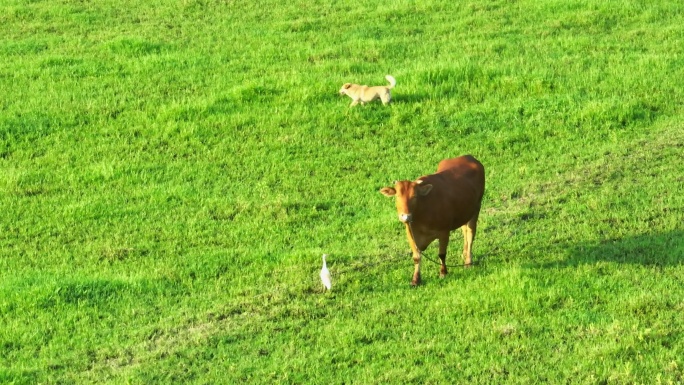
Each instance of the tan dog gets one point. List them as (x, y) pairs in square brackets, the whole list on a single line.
[(366, 94)]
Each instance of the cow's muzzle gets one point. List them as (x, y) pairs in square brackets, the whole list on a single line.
[(406, 218)]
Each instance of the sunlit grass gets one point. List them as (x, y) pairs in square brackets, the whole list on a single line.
[(172, 172)]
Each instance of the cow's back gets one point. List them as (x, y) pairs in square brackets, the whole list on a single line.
[(464, 170), (457, 193)]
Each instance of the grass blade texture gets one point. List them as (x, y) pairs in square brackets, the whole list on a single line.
[(172, 171)]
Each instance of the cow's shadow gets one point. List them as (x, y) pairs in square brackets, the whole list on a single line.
[(392, 271), (655, 250)]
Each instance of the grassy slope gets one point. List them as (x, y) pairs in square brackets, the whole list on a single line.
[(171, 174)]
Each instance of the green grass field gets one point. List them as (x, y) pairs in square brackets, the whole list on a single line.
[(171, 172)]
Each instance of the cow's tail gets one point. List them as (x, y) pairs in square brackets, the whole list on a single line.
[(391, 81)]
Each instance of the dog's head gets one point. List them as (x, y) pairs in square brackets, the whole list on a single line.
[(344, 88)]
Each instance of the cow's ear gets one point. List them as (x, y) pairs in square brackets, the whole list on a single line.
[(388, 191), (424, 190), (346, 85)]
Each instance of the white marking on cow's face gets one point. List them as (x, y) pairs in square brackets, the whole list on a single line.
[(406, 218), (405, 200)]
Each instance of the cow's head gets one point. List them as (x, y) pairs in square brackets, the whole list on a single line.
[(407, 194)]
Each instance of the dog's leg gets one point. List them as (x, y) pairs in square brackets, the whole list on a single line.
[(387, 99), (353, 103)]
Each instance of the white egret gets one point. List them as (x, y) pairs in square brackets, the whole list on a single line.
[(325, 274)]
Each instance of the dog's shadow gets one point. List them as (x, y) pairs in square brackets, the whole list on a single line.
[(397, 98), (411, 98)]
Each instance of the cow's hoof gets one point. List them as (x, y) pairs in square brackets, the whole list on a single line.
[(442, 275), (415, 282)]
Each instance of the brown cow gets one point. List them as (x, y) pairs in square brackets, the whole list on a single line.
[(436, 204)]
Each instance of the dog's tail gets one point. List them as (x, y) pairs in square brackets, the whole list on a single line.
[(391, 81)]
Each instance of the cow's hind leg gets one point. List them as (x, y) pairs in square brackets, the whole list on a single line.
[(469, 230), (443, 243)]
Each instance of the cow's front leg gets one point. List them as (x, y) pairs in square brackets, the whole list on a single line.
[(416, 270), (443, 243), (416, 257)]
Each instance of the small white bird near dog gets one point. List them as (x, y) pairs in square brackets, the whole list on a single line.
[(325, 274)]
